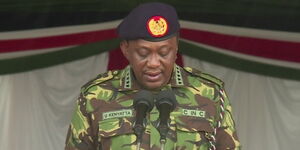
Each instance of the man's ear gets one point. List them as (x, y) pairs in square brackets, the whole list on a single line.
[(124, 48), (176, 54)]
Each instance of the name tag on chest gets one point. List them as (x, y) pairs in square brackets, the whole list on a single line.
[(193, 113), (117, 114)]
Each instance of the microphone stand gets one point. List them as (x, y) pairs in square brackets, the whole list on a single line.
[(163, 125), (140, 123)]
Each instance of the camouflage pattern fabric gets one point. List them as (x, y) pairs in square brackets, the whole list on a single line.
[(104, 114)]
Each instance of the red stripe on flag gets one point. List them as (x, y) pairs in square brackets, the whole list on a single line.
[(118, 61), (56, 41), (274, 49)]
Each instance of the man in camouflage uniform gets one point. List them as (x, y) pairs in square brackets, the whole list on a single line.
[(105, 115)]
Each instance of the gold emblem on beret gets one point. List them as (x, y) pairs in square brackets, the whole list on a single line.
[(157, 26)]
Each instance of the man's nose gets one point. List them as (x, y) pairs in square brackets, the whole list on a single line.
[(153, 61)]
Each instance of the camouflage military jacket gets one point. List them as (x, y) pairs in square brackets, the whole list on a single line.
[(104, 115)]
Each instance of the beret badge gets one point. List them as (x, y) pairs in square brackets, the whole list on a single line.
[(157, 26)]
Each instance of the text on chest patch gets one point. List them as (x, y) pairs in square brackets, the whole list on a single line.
[(117, 114), (193, 113)]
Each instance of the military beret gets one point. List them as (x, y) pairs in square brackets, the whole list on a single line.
[(152, 21)]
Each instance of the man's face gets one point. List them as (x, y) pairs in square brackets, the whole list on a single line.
[(152, 62)]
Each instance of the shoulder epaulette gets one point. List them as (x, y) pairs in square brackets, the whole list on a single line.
[(205, 76), (212, 79), (99, 79)]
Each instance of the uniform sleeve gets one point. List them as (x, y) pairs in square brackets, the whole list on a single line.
[(226, 135), (80, 134)]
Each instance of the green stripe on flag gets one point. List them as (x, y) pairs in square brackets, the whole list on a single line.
[(28, 63)]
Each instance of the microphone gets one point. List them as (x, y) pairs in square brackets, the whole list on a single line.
[(165, 103), (143, 103)]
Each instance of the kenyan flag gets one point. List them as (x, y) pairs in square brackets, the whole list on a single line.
[(265, 41)]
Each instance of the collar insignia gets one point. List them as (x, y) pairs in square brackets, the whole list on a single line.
[(178, 76), (157, 26), (127, 84)]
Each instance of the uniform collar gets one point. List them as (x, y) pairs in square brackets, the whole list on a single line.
[(129, 83)]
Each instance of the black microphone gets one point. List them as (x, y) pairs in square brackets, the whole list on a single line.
[(165, 103), (143, 103)]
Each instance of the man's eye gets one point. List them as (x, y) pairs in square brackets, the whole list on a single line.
[(143, 52), (164, 52)]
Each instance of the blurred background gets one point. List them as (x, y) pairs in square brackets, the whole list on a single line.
[(50, 48)]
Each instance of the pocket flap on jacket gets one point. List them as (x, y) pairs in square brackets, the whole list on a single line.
[(193, 124), (115, 126)]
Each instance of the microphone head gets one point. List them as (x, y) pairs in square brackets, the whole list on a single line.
[(166, 97), (144, 97)]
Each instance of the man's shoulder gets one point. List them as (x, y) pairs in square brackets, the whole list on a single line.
[(100, 80), (205, 77)]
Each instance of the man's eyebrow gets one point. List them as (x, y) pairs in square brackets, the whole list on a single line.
[(163, 46), (148, 48), (142, 47)]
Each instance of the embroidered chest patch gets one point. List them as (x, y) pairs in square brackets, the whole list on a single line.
[(193, 113), (117, 114)]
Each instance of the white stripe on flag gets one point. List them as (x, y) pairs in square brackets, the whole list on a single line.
[(31, 52)]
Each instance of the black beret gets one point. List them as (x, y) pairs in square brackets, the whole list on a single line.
[(150, 21)]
